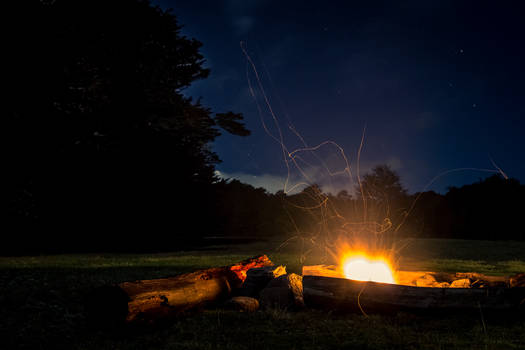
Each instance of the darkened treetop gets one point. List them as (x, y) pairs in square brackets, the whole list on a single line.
[(97, 76), (98, 130)]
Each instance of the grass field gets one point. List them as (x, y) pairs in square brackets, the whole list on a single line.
[(41, 300)]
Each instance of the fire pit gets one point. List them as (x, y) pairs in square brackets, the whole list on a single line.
[(332, 287), (360, 283)]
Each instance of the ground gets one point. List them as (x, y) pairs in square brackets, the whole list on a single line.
[(41, 300)]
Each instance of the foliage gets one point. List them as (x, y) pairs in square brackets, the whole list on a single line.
[(381, 185), (248, 211), (101, 136), (487, 209)]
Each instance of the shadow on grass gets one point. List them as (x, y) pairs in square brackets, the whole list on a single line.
[(43, 308)]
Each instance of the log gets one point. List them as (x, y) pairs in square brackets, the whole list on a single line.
[(258, 278), (346, 295), (427, 278), (284, 292), (242, 303), (408, 278), (517, 280), (152, 300)]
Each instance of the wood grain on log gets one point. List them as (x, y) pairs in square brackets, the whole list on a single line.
[(149, 300), (349, 295)]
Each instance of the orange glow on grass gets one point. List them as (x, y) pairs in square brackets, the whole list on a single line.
[(361, 268)]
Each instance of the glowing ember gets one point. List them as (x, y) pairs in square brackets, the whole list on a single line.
[(360, 268)]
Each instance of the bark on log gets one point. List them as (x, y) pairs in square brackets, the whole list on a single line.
[(150, 300), (348, 295)]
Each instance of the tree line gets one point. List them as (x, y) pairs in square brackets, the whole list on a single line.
[(104, 152), (489, 209)]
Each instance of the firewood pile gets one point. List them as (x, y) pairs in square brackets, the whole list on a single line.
[(257, 283), (268, 287), (246, 286)]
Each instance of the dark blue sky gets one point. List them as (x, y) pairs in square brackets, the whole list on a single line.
[(439, 85)]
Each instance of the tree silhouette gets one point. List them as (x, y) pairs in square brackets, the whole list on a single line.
[(100, 132), (381, 185), (488, 209)]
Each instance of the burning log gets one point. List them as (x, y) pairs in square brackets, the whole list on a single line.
[(430, 279), (149, 300)]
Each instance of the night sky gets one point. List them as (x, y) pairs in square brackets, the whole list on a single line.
[(438, 85)]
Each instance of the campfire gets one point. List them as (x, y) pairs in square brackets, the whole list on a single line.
[(360, 283), (359, 267), (367, 283)]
